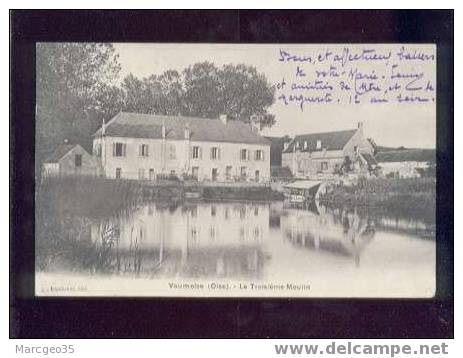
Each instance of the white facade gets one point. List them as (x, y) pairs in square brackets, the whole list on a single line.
[(122, 157), (303, 162), (402, 169)]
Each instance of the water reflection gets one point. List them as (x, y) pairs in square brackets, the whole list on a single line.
[(337, 232), (199, 240), (242, 240)]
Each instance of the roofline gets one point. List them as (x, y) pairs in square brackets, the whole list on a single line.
[(67, 152), (191, 140), (297, 137), (324, 133)]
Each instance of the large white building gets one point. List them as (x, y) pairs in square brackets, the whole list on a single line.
[(142, 146)]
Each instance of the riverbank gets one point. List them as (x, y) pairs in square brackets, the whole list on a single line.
[(96, 197), (99, 197), (412, 198)]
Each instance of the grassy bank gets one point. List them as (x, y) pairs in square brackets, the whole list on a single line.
[(410, 198), (97, 197)]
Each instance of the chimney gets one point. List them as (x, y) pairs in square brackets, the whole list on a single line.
[(223, 118)]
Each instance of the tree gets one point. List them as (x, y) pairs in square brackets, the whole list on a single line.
[(75, 84), (203, 90), (244, 93), (346, 166)]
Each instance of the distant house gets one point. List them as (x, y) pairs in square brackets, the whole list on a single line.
[(329, 153), (142, 146), (405, 163), (69, 159)]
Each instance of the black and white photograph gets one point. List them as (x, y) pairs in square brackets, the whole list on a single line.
[(235, 170)]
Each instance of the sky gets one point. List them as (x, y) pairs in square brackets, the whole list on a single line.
[(391, 124)]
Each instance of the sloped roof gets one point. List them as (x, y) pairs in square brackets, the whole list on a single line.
[(369, 159), (329, 141), (60, 152), (407, 155), (136, 125)]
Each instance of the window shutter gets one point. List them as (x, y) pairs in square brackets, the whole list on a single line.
[(263, 153), (123, 149), (212, 149), (147, 150), (248, 154), (200, 153), (114, 149), (140, 150), (218, 153)]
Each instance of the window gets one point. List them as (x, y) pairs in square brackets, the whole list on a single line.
[(118, 173), (244, 154), (172, 151), (257, 176), (119, 149), (194, 234), (78, 160), (212, 232), (319, 144), (259, 155), (215, 174), (196, 152), (97, 150), (243, 172), (356, 149), (151, 174), (215, 153), (143, 150), (195, 172), (228, 171), (213, 210), (305, 144), (141, 174), (324, 165)]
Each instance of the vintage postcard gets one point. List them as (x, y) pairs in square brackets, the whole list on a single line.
[(235, 170)]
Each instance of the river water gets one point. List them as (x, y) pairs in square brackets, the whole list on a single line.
[(322, 251)]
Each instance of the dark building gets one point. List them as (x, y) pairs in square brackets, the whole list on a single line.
[(276, 148)]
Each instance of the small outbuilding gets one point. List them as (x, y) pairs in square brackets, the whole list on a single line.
[(406, 163), (70, 159)]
